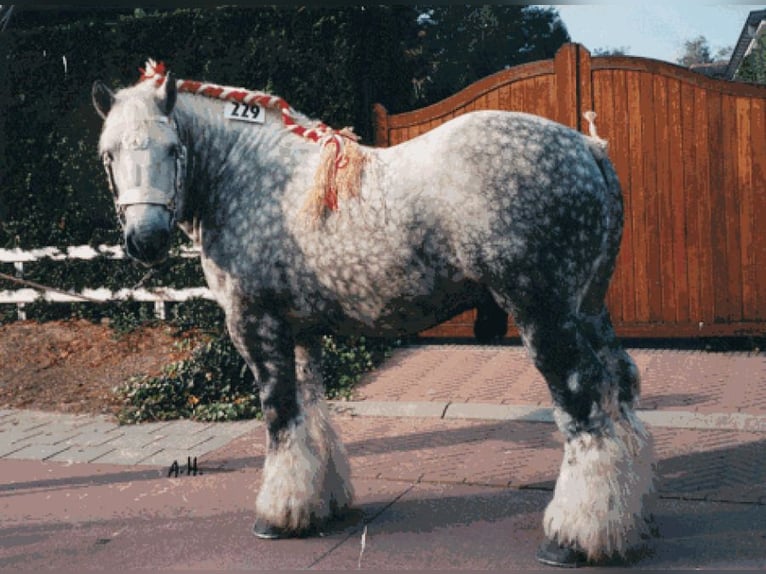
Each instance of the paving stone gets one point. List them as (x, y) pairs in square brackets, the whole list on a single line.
[(216, 442), (37, 452), (135, 441), (16, 435), (8, 449), (126, 456), (182, 442), (90, 438), (81, 454), (237, 428), (185, 428), (54, 438)]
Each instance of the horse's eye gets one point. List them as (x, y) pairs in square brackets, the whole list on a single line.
[(173, 151)]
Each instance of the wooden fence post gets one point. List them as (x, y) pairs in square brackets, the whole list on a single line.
[(574, 89), (380, 129), (20, 312)]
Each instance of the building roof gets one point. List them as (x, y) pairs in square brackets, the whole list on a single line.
[(711, 70), (752, 28)]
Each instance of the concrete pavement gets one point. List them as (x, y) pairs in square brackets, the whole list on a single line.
[(448, 475)]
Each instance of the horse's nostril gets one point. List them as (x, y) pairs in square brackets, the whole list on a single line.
[(131, 246), (148, 248)]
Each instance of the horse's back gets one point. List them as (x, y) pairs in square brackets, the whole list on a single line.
[(502, 185)]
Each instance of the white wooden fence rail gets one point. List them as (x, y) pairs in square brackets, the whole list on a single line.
[(159, 295)]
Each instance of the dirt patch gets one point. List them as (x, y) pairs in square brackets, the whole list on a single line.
[(73, 366)]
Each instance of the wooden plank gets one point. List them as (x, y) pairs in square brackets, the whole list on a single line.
[(649, 158), (504, 97), (758, 140), (638, 135), (744, 158), (493, 98), (732, 310), (718, 194), (603, 105), (620, 153), (380, 122), (565, 68), (690, 173), (703, 205), (662, 304), (677, 142), (515, 101), (584, 81), (541, 89)]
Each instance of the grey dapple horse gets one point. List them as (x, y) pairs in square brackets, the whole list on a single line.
[(495, 210)]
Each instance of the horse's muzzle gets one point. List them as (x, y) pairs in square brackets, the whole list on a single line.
[(149, 247)]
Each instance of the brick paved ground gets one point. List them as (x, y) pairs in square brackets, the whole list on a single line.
[(446, 482), (693, 381)]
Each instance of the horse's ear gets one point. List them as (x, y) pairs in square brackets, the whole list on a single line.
[(103, 98), (167, 94)]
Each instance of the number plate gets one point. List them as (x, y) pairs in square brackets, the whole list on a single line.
[(252, 113)]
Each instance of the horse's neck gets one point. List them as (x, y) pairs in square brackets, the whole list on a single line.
[(222, 154)]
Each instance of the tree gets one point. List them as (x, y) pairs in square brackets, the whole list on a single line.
[(614, 51), (696, 51), (460, 44), (753, 68)]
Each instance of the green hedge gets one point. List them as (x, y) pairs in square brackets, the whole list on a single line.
[(325, 62)]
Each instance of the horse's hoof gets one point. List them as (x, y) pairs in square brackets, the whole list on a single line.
[(551, 553), (266, 531)]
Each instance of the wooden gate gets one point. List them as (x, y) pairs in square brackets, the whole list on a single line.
[(691, 156)]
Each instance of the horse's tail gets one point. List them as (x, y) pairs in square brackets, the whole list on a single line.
[(614, 200), (599, 148)]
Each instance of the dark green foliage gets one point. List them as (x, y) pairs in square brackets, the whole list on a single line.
[(753, 68), (460, 44), (346, 359), (213, 385), (331, 64)]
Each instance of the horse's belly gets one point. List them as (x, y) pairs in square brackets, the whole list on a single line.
[(409, 314)]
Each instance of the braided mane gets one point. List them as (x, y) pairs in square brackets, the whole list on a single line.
[(340, 168)]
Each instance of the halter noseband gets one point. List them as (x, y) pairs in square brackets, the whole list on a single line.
[(144, 193)]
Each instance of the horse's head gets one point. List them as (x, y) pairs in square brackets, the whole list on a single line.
[(145, 162)]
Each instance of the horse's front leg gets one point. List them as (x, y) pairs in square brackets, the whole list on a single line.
[(305, 473)]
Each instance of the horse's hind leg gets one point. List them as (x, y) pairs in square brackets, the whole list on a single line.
[(598, 503), (305, 473)]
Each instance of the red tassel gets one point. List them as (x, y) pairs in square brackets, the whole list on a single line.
[(331, 199), (159, 70)]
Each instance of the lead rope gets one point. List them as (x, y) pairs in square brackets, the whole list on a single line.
[(45, 288)]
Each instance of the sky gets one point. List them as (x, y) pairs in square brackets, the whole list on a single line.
[(654, 29)]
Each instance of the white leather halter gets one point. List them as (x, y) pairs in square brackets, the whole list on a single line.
[(138, 168)]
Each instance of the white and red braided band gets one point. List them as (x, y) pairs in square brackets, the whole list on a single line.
[(156, 72)]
